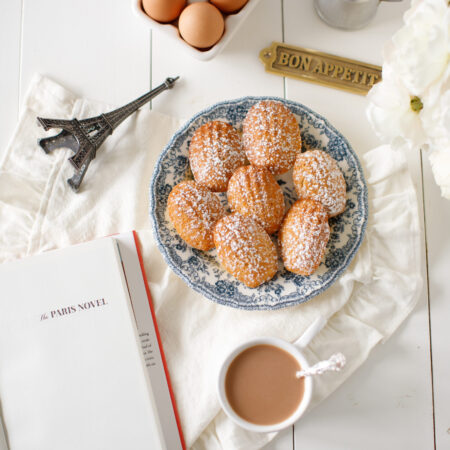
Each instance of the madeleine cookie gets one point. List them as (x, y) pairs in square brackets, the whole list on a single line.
[(215, 152), (303, 236), (271, 136), (254, 192), (193, 211), (316, 175), (245, 250)]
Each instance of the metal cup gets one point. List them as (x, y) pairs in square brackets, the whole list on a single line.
[(347, 14)]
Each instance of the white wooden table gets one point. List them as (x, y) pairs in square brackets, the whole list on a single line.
[(400, 398)]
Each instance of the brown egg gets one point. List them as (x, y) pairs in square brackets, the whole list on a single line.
[(201, 25), (163, 10), (229, 6)]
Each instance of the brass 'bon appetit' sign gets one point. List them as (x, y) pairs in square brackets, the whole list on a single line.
[(318, 67)]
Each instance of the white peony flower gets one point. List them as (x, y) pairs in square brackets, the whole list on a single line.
[(390, 113), (435, 115), (410, 106), (419, 50), (440, 164)]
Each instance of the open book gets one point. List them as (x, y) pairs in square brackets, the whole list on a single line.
[(81, 361)]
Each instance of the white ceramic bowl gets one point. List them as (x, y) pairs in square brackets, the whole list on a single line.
[(232, 24), (295, 351)]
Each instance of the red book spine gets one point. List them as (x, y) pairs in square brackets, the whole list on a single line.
[(163, 357)]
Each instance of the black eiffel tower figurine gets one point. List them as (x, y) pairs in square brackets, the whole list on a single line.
[(85, 136)]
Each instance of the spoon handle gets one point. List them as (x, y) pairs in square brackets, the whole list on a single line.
[(335, 363)]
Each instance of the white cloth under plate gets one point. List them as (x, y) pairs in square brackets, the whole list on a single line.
[(39, 212)]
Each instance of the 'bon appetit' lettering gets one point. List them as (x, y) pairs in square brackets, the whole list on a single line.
[(319, 67), (72, 309)]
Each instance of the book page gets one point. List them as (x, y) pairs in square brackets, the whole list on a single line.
[(149, 340), (71, 370)]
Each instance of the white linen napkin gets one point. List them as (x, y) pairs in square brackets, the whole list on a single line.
[(39, 212)]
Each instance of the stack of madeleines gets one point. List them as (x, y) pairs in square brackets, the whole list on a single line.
[(219, 158)]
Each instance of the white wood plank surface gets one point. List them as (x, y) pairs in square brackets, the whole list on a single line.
[(386, 404), (375, 399), (99, 50), (10, 33), (284, 440), (93, 48), (437, 210)]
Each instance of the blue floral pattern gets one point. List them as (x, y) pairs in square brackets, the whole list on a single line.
[(202, 271)]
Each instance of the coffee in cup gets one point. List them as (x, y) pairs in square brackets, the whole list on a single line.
[(261, 386), (258, 388)]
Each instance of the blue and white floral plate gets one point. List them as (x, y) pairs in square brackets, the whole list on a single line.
[(202, 271)]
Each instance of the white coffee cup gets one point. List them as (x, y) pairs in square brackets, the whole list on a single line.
[(295, 350)]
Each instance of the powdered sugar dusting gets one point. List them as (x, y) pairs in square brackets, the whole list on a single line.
[(303, 236), (245, 250), (271, 136), (316, 175), (193, 210), (201, 271), (215, 152), (254, 192)]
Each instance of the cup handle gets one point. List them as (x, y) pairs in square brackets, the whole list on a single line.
[(310, 332)]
